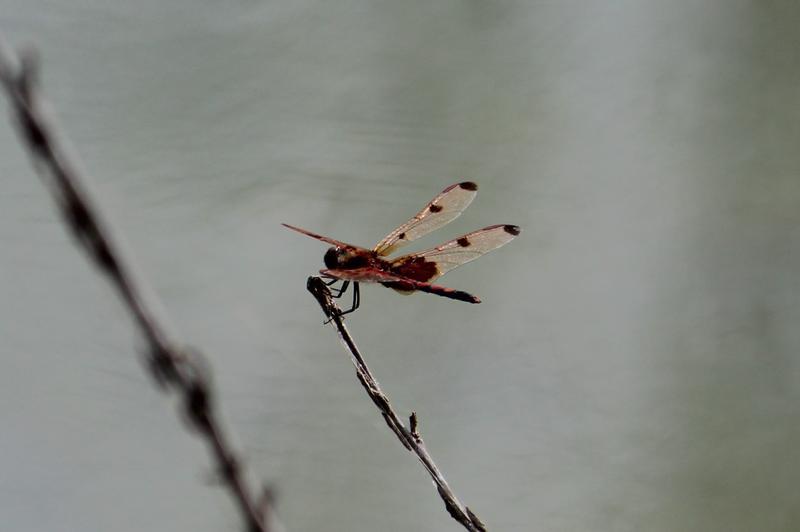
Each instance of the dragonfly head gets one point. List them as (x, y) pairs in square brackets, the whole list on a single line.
[(334, 257)]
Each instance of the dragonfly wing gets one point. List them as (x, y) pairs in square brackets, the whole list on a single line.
[(360, 275), (432, 263), (443, 209), (398, 282), (336, 243)]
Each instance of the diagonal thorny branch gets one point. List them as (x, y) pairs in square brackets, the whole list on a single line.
[(173, 366), (409, 437)]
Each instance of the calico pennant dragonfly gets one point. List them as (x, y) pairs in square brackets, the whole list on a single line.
[(415, 271)]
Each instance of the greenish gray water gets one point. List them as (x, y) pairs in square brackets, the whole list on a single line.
[(634, 364)]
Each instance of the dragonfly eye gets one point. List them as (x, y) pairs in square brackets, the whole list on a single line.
[(332, 258)]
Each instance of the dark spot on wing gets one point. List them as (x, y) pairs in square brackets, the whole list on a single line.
[(435, 208), (416, 268), (401, 236), (464, 242), (468, 185), (512, 229)]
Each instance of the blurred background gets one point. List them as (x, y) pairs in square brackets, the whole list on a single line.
[(634, 364)]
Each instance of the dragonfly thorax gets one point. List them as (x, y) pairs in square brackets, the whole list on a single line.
[(345, 258)]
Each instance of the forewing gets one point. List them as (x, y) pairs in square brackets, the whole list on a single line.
[(398, 282), (435, 262), (442, 209), (361, 275), (336, 243)]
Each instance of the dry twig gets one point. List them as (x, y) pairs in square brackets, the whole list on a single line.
[(172, 365), (409, 437)]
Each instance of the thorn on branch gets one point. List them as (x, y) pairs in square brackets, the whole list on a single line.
[(412, 422)]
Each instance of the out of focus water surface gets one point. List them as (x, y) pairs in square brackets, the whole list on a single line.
[(634, 365)]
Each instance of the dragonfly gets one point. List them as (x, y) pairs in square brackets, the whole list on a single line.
[(413, 272)]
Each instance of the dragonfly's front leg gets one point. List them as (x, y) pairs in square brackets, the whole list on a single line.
[(336, 293), (356, 299)]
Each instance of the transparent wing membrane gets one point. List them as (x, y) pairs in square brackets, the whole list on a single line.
[(443, 209), (432, 263)]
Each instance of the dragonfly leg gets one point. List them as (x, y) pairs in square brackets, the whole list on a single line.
[(342, 289), (356, 299), (336, 292)]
